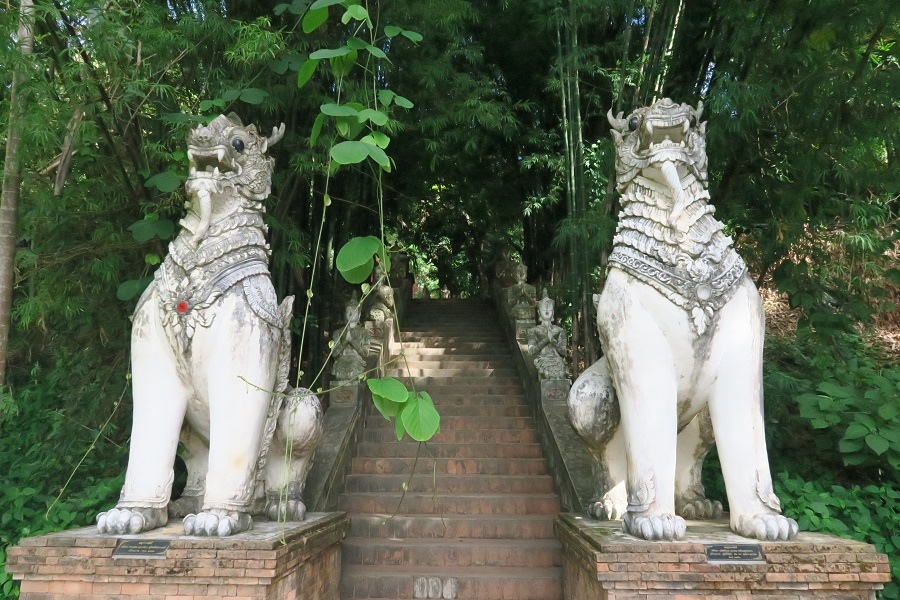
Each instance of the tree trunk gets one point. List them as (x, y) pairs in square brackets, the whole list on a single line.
[(12, 177), (579, 195), (563, 56), (648, 26)]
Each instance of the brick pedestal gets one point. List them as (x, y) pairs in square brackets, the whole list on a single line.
[(602, 563), (274, 561)]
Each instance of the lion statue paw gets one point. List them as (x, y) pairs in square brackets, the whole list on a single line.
[(285, 509), (766, 527), (217, 522), (665, 527), (605, 510), (184, 506), (610, 506), (699, 509), (118, 521)]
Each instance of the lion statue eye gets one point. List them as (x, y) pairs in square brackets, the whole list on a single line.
[(237, 144), (632, 123)]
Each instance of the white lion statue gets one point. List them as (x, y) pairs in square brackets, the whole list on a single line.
[(682, 326), (210, 357)]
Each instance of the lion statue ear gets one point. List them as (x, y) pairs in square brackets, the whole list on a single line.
[(617, 122), (277, 134), (235, 119)]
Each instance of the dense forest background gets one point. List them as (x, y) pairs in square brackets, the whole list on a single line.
[(487, 133)]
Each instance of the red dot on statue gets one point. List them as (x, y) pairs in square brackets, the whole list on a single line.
[(182, 307)]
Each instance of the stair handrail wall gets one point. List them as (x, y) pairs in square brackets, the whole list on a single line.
[(567, 455)]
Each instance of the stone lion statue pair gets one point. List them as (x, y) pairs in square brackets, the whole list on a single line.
[(681, 323)]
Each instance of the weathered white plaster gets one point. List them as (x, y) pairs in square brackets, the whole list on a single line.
[(210, 358), (682, 327)]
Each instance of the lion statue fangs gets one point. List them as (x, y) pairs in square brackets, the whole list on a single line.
[(210, 359), (682, 325)]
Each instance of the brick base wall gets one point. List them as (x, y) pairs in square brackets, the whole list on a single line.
[(600, 562), (273, 561)]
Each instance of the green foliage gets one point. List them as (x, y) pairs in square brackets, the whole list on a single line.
[(148, 228), (803, 169), (419, 417), (831, 407), (167, 181), (356, 259), (866, 410), (414, 412), (45, 485), (869, 513), (354, 119)]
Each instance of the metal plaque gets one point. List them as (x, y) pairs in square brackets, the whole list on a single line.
[(734, 553), (141, 549)]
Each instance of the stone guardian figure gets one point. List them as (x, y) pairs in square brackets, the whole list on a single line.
[(210, 358), (521, 302), (351, 347), (547, 343), (382, 299), (682, 326)]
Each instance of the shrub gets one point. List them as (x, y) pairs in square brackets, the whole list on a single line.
[(868, 514)]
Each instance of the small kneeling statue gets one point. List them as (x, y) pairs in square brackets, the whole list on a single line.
[(547, 343), (351, 347), (210, 353)]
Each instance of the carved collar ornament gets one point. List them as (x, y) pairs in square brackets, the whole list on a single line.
[(667, 236), (223, 237)]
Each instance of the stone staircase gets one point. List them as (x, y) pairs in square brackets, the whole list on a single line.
[(476, 521)]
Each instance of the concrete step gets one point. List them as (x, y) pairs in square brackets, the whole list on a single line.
[(479, 505), (468, 385), (451, 346), (454, 410), (450, 504), (453, 318), (447, 398), (460, 436), (456, 362), (449, 360), (486, 421), (461, 484), (444, 450), (449, 466), (390, 525), (405, 371), (459, 552), (467, 310), (491, 334), (453, 333), (495, 351), (472, 583), (451, 324)]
